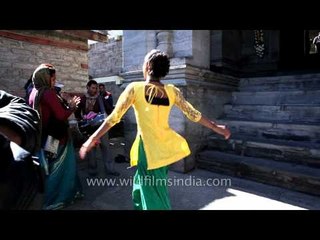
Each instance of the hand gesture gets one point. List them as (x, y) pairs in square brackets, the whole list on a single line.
[(73, 103)]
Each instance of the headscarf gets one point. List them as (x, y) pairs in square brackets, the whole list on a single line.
[(41, 81)]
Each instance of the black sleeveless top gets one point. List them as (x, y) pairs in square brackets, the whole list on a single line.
[(159, 101)]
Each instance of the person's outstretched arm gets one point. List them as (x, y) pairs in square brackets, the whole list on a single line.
[(196, 116), (125, 100), (220, 129)]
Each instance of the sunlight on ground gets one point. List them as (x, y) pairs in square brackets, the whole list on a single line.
[(247, 201)]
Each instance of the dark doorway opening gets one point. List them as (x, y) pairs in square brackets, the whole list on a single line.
[(297, 52)]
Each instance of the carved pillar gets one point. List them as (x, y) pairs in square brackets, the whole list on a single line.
[(151, 40), (164, 41)]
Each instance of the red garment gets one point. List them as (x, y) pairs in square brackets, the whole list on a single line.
[(106, 94), (51, 106)]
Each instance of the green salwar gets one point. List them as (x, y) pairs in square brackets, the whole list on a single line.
[(150, 190)]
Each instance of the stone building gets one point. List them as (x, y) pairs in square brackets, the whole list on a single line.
[(264, 84), (22, 51), (105, 64)]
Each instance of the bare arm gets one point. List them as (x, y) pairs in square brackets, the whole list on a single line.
[(125, 100), (220, 129), (195, 116)]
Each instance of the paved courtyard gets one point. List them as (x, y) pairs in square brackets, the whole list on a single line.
[(196, 190)]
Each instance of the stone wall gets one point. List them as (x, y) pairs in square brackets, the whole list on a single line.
[(183, 47), (182, 43), (105, 59), (225, 46), (216, 48), (233, 52), (135, 46), (18, 60), (191, 47), (200, 49), (250, 62), (208, 92), (210, 103)]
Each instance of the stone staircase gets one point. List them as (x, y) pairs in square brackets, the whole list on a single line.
[(275, 125)]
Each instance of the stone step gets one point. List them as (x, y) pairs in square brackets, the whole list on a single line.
[(275, 130), (304, 153), (281, 83), (290, 113), (291, 176), (276, 97)]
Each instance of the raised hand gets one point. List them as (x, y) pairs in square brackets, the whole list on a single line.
[(73, 103)]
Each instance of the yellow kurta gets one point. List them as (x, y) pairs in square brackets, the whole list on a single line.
[(162, 144)]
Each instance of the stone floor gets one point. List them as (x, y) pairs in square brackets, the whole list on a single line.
[(196, 190)]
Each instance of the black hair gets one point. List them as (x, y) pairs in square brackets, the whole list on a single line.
[(101, 84), (28, 88), (159, 63), (51, 72), (50, 68), (29, 81), (91, 82)]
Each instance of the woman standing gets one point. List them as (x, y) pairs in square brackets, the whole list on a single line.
[(56, 152), (156, 145)]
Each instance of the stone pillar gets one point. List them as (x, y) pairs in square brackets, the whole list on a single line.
[(225, 51), (216, 48), (200, 49), (151, 40), (135, 45), (164, 42)]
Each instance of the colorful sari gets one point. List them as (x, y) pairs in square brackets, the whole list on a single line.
[(62, 185)]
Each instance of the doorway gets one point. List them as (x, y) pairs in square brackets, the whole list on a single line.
[(297, 52)]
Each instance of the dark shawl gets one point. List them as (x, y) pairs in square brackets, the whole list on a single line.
[(18, 115)]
